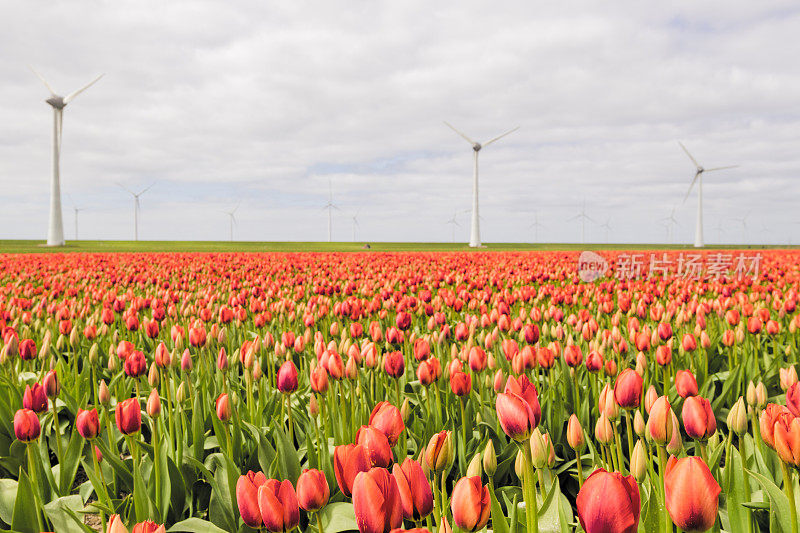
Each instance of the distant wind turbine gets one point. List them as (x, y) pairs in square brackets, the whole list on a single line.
[(475, 231), (76, 210), (698, 178), (607, 226), (355, 224), (330, 206), (55, 232), (583, 218), (720, 230), (536, 225), (743, 222), (671, 222), (136, 207), (232, 216), (453, 222)]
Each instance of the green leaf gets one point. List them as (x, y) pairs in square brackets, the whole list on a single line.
[(338, 517), (8, 495), (735, 494), (69, 463), (778, 502), (61, 520), (195, 525), (288, 463), (499, 523), (25, 518)]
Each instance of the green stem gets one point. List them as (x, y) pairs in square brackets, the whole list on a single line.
[(289, 412), (463, 434), (104, 494), (57, 430), (529, 493), (746, 479), (662, 466), (629, 427), (319, 523), (788, 487), (32, 474)]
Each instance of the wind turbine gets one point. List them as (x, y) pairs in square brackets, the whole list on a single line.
[(454, 223), (583, 217), (607, 227), (536, 225), (55, 231), (330, 206), (232, 217), (355, 224), (136, 207), (76, 210), (698, 177), (475, 231), (671, 222), (720, 230), (743, 222)]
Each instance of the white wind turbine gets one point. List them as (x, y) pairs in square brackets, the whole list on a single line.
[(583, 218), (475, 231), (698, 178), (55, 231), (330, 206), (606, 226), (536, 225), (720, 230), (743, 222), (136, 207), (453, 222), (355, 224), (232, 217), (76, 210)]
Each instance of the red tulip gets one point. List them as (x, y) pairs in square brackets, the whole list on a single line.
[(470, 504), (27, 349), (223, 407), (129, 416), (594, 361), (685, 384), (698, 418), (135, 364), (689, 343), (26, 425), (609, 502), (767, 421), (376, 445), (35, 398), (153, 406), (286, 378), (348, 461), (312, 490), (388, 420), (148, 526), (88, 423), (628, 389), (247, 497), (278, 504), (664, 331), (422, 349), (439, 452), (663, 355), (692, 494), (460, 383), (51, 384), (429, 371), (376, 502), (394, 364), (660, 422), (787, 439), (415, 490), (319, 379), (572, 355)]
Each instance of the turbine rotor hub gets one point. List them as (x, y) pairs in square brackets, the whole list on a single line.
[(56, 101), (477, 147)]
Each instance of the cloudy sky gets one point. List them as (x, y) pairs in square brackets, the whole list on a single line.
[(263, 104)]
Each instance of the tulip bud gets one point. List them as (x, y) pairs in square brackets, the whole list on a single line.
[(103, 394), (489, 459), (660, 422), (650, 398), (313, 407), (94, 354), (439, 454), (761, 395), (153, 375), (638, 424), (223, 407), (182, 393), (51, 384), (539, 451), (519, 465), (153, 404), (675, 445), (737, 418), (639, 462), (788, 377), (751, 395), (405, 411), (474, 467), (603, 430), (575, 433)]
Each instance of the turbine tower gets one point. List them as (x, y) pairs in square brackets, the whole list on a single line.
[(475, 231), (136, 207), (720, 230), (606, 226), (583, 218), (232, 217), (743, 222), (453, 222), (55, 231), (698, 178), (670, 223), (330, 206)]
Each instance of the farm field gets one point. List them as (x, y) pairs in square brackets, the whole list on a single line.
[(199, 391)]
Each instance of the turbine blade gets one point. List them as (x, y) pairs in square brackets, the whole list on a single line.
[(697, 174), (690, 155), (71, 96), (52, 92), (499, 137), (124, 187), (470, 141), (576, 217), (146, 189), (720, 168)]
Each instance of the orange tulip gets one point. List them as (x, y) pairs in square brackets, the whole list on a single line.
[(387, 419), (793, 399), (691, 493), (698, 418), (376, 501), (35, 398), (660, 422), (277, 502), (88, 423), (128, 415), (415, 490), (148, 526), (685, 384), (312, 490), (348, 461), (609, 502), (247, 497), (26, 425), (470, 504), (286, 379), (376, 445), (628, 389)]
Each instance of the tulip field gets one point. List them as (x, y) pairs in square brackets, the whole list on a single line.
[(410, 391)]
